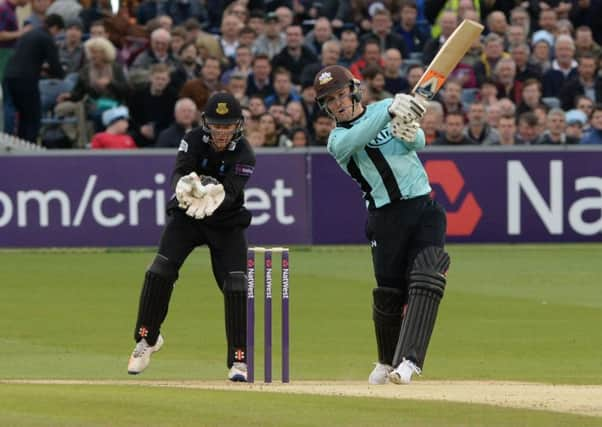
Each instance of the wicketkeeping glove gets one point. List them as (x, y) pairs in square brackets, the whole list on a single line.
[(185, 188), (407, 108), (403, 130)]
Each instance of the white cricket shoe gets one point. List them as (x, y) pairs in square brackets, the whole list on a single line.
[(403, 373), (141, 355), (380, 374), (238, 372)]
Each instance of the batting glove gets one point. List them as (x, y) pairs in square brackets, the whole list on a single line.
[(403, 130), (408, 108)]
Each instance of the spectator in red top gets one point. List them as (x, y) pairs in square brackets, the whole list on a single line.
[(371, 56), (115, 136)]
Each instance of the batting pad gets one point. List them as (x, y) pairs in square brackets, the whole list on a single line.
[(427, 285), (387, 315), (235, 303)]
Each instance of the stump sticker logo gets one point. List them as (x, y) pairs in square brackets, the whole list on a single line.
[(463, 210)]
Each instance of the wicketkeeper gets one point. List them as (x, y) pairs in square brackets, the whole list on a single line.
[(213, 165), (376, 145)]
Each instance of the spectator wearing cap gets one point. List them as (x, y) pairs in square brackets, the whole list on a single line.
[(200, 89), (185, 114), (331, 52), (283, 89), (115, 136), (594, 135), (67, 9), (371, 56), (259, 81), (542, 43), (576, 120), (295, 56), (38, 13), (564, 67), (412, 34), (477, 129), (586, 82), (71, 49), (382, 31), (321, 33), (349, 48), (273, 40), (22, 74), (152, 107), (524, 70), (556, 129), (394, 81)]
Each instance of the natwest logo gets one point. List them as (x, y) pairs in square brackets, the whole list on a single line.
[(464, 219)]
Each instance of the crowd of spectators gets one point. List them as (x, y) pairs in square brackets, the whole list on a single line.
[(140, 75)]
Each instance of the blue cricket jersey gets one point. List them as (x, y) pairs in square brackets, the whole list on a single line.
[(386, 168)]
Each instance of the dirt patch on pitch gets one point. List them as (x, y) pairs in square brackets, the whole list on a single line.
[(575, 399)]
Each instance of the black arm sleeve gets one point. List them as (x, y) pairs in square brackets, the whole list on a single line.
[(185, 163), (235, 180)]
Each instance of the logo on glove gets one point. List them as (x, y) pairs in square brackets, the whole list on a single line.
[(222, 108)]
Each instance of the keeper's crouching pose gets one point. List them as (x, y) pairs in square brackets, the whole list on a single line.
[(376, 145), (213, 165)]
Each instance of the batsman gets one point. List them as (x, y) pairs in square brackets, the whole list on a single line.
[(376, 145), (213, 164)]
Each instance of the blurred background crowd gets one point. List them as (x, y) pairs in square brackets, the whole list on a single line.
[(137, 74)]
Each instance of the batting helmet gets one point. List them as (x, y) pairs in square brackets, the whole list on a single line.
[(332, 78), (222, 109)]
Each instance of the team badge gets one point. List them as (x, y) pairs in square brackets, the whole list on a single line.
[(143, 332), (222, 108), (325, 77), (183, 146)]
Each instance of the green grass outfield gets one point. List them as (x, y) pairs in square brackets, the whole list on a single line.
[(528, 313)]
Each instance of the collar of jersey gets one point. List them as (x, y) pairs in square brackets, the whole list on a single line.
[(350, 123)]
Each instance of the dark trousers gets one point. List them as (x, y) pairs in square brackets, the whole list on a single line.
[(397, 232), (25, 96), (228, 246)]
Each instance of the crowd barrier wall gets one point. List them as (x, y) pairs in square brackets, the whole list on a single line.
[(83, 198)]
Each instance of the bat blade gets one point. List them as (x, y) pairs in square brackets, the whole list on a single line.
[(449, 55)]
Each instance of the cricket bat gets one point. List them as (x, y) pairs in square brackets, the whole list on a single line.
[(450, 54)]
